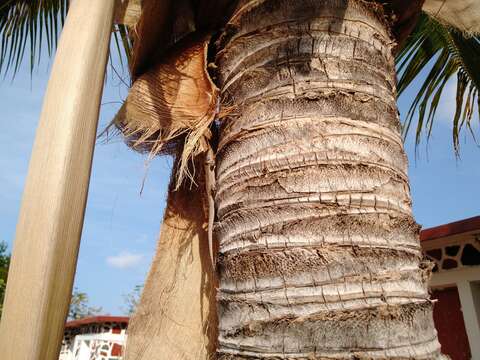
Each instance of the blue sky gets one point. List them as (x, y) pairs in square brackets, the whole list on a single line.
[(121, 226)]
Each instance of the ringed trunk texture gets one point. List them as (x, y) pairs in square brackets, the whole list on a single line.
[(176, 317), (319, 253)]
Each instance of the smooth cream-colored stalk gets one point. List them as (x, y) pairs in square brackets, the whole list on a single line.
[(50, 222)]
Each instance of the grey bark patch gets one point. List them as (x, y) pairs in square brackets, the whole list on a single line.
[(319, 253)]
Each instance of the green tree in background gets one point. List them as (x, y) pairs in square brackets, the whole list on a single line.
[(80, 307), (132, 299), (4, 263)]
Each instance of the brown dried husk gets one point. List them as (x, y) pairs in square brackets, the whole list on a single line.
[(461, 14), (171, 107)]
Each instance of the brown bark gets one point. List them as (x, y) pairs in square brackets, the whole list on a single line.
[(319, 253), (176, 317)]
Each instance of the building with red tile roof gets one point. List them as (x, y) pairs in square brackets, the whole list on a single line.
[(454, 249), (97, 337)]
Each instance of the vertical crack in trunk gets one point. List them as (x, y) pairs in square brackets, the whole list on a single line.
[(319, 253)]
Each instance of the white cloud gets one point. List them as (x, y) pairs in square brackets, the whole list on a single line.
[(448, 102), (446, 107), (124, 260)]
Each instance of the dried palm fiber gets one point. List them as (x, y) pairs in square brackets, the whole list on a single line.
[(403, 16), (172, 105), (128, 12), (176, 316), (461, 14), (153, 28)]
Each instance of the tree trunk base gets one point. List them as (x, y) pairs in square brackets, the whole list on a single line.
[(176, 316)]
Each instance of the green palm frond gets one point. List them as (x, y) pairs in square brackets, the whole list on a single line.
[(123, 42), (36, 22), (29, 23), (446, 52)]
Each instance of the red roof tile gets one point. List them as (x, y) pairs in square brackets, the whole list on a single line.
[(453, 228), (97, 320)]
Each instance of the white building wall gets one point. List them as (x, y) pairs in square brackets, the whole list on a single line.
[(93, 346)]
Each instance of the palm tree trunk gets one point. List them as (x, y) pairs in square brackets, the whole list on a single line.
[(176, 317), (319, 253)]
